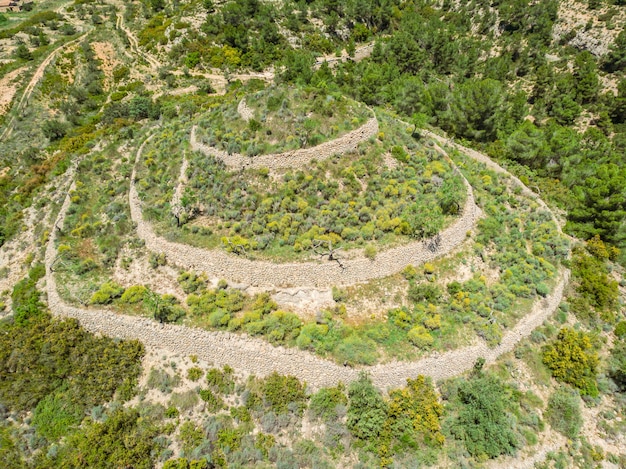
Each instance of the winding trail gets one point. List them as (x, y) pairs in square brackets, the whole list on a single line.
[(132, 40), (28, 91)]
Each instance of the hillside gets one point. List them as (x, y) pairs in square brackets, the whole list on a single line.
[(372, 233)]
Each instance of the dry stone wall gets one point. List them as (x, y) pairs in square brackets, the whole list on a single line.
[(219, 264), (291, 159), (481, 158), (320, 274), (253, 356)]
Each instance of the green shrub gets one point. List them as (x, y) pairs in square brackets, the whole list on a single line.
[(428, 292), (620, 330), (191, 282), (55, 415), (221, 381), (31, 369), (357, 350), (184, 463), (122, 440), (190, 436), (213, 403), (413, 420), (483, 422), (162, 380), (134, 294), (324, 402), (339, 294), (420, 337), (572, 359), (283, 393), (367, 410), (194, 373), (54, 129), (617, 365), (107, 293), (594, 282), (409, 272), (172, 412), (157, 259), (370, 251), (563, 412)]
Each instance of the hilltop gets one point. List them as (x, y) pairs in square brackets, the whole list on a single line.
[(312, 234)]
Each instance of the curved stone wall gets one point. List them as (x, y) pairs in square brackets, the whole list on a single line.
[(219, 264), (255, 356), (294, 158), (481, 158)]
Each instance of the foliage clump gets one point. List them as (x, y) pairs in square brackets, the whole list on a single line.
[(563, 412), (572, 359), (484, 422)]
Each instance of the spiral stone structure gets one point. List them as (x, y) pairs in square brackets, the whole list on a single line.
[(255, 356), (317, 274)]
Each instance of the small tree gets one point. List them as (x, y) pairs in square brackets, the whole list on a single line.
[(54, 129), (22, 52), (572, 360)]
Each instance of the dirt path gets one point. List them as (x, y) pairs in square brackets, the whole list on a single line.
[(132, 40), (28, 91)]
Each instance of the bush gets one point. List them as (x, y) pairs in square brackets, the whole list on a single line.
[(22, 52), (339, 294), (428, 292), (194, 373), (563, 412), (54, 129), (420, 337), (413, 417), (370, 252), (572, 359), (367, 410), (162, 380), (483, 422), (122, 440), (213, 403), (221, 381), (620, 330), (133, 295), (357, 350), (324, 403), (617, 365), (594, 282), (107, 293), (55, 415), (283, 392)]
